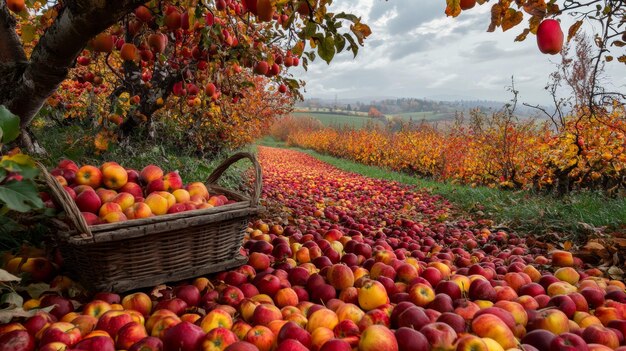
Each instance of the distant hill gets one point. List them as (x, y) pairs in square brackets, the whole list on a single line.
[(408, 107)]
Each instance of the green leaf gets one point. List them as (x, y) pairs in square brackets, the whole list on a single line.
[(326, 50), (10, 125), (20, 196), (23, 164), (353, 45), (309, 30), (347, 16), (305, 63), (340, 43)]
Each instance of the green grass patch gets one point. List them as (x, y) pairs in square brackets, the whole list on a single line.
[(573, 217), (338, 120), (426, 116)]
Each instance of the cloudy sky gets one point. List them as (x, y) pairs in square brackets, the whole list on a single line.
[(416, 51)]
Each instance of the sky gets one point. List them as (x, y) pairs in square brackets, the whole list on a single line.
[(416, 51)]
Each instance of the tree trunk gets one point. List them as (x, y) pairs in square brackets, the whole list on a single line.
[(26, 85), (30, 144), (161, 87)]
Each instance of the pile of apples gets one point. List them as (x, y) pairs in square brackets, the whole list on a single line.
[(111, 193), (361, 264)]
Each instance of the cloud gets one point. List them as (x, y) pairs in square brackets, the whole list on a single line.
[(443, 80), (485, 51), (416, 51), (410, 16), (412, 46)]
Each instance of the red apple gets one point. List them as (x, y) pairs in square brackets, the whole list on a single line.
[(378, 338), (88, 201), (63, 305), (453, 320), (130, 334), (67, 333), (597, 334), (188, 293), (293, 331), (241, 346), (540, 339), (97, 342), (108, 297), (568, 342), (175, 305), (149, 343), (413, 317), (336, 345), (183, 336), (410, 339), (17, 340), (550, 41), (439, 335), (218, 339)]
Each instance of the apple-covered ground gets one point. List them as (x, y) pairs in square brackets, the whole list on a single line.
[(339, 261)]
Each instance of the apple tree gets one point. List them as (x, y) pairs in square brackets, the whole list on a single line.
[(142, 54), (541, 17), (588, 144)]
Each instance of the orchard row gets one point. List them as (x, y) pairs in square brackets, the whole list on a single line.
[(344, 262), (587, 152)]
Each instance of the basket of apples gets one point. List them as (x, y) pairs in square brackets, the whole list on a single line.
[(128, 229)]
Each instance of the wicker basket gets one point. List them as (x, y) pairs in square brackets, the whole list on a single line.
[(144, 252)]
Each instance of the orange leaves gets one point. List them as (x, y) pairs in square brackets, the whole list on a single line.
[(501, 153), (511, 19), (573, 29), (361, 31), (453, 8)]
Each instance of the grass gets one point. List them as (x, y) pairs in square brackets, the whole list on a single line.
[(336, 120), (429, 116), (573, 217), (359, 121)]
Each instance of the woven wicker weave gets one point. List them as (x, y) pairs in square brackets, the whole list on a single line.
[(144, 252)]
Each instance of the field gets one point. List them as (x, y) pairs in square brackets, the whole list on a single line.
[(337, 120), (330, 119), (429, 116)]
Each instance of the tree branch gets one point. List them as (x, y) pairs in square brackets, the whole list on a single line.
[(11, 49), (57, 50)]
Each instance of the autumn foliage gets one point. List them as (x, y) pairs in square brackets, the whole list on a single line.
[(490, 150), (215, 71), (201, 123)]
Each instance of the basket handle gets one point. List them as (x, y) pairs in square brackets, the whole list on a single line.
[(66, 202), (258, 181)]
